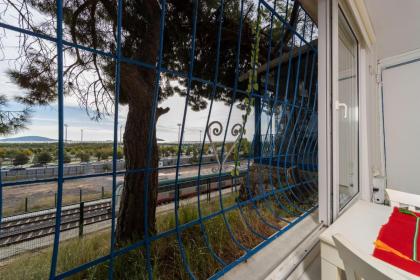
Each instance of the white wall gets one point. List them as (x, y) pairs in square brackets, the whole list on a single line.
[(396, 24), (401, 101)]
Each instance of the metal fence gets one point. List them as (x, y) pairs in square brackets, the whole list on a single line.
[(274, 79)]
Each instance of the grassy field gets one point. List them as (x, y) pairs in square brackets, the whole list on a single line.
[(165, 254)]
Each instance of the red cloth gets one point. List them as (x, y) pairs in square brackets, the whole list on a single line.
[(398, 233)]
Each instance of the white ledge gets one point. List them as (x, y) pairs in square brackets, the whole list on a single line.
[(280, 258)]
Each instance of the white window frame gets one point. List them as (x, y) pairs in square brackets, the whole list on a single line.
[(355, 12)]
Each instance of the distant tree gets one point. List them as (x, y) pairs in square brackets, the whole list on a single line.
[(83, 156), (164, 151), (107, 152), (20, 159), (67, 158), (188, 150), (173, 150), (99, 154), (43, 158), (194, 158), (120, 154), (27, 152), (10, 153)]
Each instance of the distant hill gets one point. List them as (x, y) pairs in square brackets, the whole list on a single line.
[(27, 139)]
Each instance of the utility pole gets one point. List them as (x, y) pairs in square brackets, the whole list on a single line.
[(179, 132), (81, 135), (66, 126)]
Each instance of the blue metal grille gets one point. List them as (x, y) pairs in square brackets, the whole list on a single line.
[(278, 177)]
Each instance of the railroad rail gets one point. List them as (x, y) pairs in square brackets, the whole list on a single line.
[(21, 228)]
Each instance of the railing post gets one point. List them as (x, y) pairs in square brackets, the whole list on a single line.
[(26, 204), (55, 200), (103, 192), (81, 217), (232, 180), (208, 190), (80, 195)]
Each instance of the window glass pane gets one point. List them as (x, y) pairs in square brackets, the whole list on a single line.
[(348, 120)]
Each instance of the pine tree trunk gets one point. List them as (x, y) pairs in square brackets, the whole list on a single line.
[(139, 194), (131, 218)]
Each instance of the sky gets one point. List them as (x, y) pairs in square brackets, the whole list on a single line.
[(44, 119), (44, 122)]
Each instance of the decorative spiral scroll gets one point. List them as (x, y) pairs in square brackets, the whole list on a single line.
[(215, 128), (217, 131), (237, 129)]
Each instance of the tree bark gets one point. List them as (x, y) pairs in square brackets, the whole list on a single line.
[(139, 194), (131, 217)]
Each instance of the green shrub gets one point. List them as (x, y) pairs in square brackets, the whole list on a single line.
[(20, 159), (84, 157), (43, 158)]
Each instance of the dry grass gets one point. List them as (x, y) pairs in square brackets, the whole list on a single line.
[(166, 258), (49, 202)]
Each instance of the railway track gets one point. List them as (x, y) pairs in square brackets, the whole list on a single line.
[(36, 226), (21, 228)]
